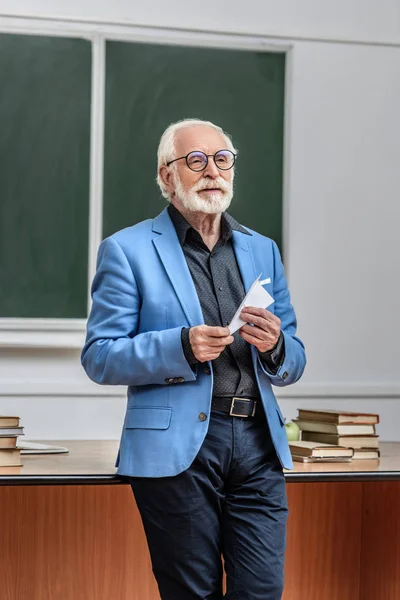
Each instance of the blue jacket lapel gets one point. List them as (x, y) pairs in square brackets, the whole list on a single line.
[(246, 264), (244, 258), (173, 259)]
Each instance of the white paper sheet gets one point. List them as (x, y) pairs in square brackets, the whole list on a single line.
[(38, 448), (256, 296)]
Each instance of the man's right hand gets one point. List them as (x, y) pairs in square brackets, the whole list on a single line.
[(208, 342)]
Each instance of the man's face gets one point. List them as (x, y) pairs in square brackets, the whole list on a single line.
[(208, 191)]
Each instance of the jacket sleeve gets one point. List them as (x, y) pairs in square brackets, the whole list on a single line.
[(294, 361), (114, 353)]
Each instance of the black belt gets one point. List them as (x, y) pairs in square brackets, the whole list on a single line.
[(237, 407)]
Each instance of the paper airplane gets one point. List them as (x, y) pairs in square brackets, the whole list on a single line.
[(256, 296)]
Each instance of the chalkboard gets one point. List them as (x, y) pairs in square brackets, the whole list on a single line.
[(44, 176), (150, 86)]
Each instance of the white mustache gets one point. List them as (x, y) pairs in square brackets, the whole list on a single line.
[(208, 185)]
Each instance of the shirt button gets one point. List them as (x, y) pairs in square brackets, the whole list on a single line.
[(285, 375), (202, 417)]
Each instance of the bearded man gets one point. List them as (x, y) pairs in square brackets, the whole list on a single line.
[(203, 442)]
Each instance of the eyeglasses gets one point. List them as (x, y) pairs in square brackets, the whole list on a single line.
[(197, 161)]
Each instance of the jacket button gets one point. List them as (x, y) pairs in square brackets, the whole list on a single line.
[(207, 370), (169, 380), (202, 417), (285, 375), (180, 380)]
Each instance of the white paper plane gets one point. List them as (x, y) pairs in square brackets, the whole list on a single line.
[(256, 296)]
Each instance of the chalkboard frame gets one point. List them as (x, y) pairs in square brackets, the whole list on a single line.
[(69, 333)]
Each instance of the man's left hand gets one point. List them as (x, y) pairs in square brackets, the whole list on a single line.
[(264, 331)]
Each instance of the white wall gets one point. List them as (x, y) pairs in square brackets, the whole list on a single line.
[(342, 209), (372, 20)]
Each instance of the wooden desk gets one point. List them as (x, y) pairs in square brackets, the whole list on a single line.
[(70, 529)]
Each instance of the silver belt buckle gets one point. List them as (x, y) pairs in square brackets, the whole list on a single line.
[(232, 409)]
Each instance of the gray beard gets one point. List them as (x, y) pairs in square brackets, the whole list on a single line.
[(191, 201)]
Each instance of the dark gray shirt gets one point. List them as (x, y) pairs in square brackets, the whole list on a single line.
[(220, 290)]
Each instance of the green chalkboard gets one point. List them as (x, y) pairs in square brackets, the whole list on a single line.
[(44, 176), (150, 86)]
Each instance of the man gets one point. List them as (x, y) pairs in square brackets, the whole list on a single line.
[(203, 441)]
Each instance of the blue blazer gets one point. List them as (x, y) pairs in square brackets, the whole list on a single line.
[(143, 294)]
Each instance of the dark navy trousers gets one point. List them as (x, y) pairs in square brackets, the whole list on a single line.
[(230, 502)]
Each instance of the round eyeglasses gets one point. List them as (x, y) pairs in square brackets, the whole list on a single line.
[(197, 161)]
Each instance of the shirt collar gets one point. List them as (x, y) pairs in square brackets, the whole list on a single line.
[(182, 227)]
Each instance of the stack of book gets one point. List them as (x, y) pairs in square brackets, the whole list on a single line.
[(10, 455), (303, 451), (341, 428)]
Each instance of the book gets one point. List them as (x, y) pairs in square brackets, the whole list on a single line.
[(339, 417), (317, 459), (10, 457), (37, 448), (10, 431), (6, 421), (366, 454), (320, 450), (347, 429), (11, 470), (8, 442), (350, 441)]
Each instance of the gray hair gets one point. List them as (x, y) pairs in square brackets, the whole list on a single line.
[(166, 147)]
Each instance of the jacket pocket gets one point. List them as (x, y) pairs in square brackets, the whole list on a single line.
[(148, 418)]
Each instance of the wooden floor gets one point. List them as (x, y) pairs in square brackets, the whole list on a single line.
[(87, 543)]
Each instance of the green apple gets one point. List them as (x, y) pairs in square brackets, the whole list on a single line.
[(292, 431)]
